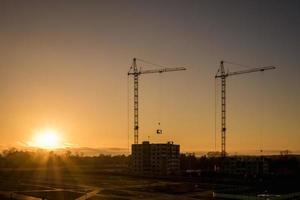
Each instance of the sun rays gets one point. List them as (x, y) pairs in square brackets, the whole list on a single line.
[(46, 139)]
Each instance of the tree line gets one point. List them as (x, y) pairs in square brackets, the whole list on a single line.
[(13, 158)]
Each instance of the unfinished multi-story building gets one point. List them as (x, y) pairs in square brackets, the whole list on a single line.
[(155, 159)]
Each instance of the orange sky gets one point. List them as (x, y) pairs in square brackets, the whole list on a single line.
[(63, 65)]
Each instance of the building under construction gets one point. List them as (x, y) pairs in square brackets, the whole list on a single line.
[(155, 159)]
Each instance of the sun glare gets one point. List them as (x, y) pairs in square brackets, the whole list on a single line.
[(48, 139)]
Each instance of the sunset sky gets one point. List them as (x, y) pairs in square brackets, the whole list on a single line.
[(64, 64)]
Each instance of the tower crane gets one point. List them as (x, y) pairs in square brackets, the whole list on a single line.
[(223, 75), (135, 72)]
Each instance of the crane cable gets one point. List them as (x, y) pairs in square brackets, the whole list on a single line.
[(159, 99), (234, 63), (158, 130), (263, 112), (151, 63), (215, 114), (128, 124), (128, 113)]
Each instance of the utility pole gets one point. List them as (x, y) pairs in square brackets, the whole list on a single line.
[(135, 72), (223, 75)]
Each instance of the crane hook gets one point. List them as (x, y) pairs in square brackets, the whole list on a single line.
[(159, 131)]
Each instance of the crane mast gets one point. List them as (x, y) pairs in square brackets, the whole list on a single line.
[(135, 72), (223, 109), (136, 101), (223, 75)]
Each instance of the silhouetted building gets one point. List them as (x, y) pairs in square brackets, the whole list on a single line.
[(155, 159), (245, 165), (213, 154)]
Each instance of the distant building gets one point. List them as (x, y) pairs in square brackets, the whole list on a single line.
[(212, 154), (245, 165), (155, 159)]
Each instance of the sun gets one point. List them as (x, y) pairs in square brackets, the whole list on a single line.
[(47, 139)]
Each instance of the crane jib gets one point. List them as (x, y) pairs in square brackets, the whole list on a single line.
[(260, 69)]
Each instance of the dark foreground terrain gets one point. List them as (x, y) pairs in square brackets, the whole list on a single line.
[(46, 175), (74, 183), (107, 183)]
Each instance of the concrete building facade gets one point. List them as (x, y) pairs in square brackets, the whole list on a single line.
[(156, 159)]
